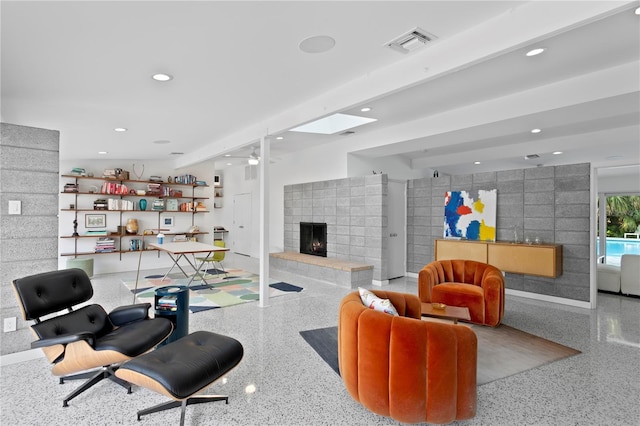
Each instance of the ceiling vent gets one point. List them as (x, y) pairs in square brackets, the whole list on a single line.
[(410, 41), (531, 156)]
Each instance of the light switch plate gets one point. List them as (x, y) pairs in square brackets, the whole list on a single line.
[(10, 324), (15, 207)]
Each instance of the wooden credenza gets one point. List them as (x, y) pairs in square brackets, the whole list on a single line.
[(544, 260)]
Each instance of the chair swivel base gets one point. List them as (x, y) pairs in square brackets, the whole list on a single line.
[(197, 399), (94, 377)]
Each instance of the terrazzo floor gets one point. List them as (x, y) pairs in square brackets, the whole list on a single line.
[(282, 381)]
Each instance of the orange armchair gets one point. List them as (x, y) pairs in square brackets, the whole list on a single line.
[(476, 285), (401, 367)]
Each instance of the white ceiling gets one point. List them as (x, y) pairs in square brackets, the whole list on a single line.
[(85, 67)]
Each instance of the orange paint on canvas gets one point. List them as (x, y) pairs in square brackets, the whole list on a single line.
[(463, 210)]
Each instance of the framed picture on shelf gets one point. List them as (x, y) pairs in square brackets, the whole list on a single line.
[(167, 221), (95, 220)]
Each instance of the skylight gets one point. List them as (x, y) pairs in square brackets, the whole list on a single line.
[(333, 124)]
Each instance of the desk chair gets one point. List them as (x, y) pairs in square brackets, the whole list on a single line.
[(87, 342), (216, 259)]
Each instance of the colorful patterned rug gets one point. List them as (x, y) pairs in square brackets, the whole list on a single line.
[(237, 287)]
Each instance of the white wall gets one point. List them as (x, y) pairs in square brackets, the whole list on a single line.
[(235, 183), (395, 167), (323, 163), (625, 180)]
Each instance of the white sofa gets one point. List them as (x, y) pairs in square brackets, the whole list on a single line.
[(608, 277), (630, 274)]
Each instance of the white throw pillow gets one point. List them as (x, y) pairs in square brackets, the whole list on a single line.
[(372, 301)]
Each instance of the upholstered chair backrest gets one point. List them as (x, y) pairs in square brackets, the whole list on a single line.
[(51, 292), (57, 292), (399, 366), (461, 271), (630, 274)]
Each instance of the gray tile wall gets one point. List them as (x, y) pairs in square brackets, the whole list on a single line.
[(28, 242), (355, 211), (551, 203)]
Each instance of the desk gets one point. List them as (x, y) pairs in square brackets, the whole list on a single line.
[(179, 250)]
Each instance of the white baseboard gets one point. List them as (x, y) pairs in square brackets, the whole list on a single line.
[(23, 356), (552, 299)]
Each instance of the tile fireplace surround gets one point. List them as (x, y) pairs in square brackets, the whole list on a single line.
[(354, 210)]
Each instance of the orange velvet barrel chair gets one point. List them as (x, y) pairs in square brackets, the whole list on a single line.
[(476, 285), (401, 367)]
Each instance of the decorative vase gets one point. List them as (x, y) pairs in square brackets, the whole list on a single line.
[(132, 226), (143, 204)]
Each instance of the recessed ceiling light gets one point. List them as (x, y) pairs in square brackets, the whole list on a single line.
[(279, 138), (365, 109), (120, 129), (317, 44), (557, 152), (162, 142), (229, 164), (102, 152), (637, 11), (162, 77), (535, 52), (333, 124), (535, 130), (476, 162)]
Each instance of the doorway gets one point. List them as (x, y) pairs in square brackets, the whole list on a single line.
[(242, 224), (397, 216)]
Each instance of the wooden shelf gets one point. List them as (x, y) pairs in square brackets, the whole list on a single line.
[(91, 253), (543, 260), (132, 235), (84, 192), (134, 181)]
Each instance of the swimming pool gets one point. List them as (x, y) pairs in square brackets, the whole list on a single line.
[(616, 247)]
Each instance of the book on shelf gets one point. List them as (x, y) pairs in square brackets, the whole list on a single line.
[(116, 204), (114, 188), (105, 245), (167, 301)]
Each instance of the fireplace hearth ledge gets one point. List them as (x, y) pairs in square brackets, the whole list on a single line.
[(343, 273)]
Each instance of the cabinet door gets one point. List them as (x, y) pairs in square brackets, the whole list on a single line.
[(544, 261), (456, 249)]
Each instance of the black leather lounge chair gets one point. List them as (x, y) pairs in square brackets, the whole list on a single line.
[(87, 342)]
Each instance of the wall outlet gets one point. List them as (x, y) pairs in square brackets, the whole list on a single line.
[(10, 324), (15, 207)]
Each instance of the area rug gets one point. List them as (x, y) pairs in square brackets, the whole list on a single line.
[(236, 287), (502, 351)]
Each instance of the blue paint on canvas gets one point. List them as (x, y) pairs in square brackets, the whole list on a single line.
[(473, 230), (451, 215)]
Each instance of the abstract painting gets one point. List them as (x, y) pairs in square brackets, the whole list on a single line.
[(469, 218)]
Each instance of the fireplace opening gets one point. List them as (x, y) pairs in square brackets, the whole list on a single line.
[(313, 238)]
